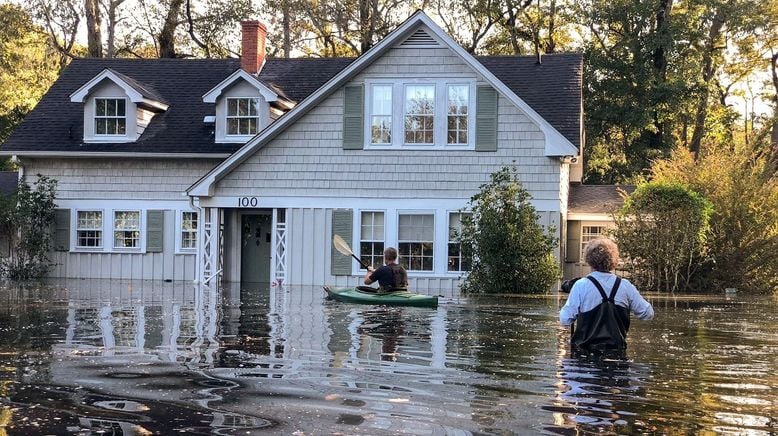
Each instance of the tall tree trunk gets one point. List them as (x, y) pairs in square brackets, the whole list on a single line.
[(551, 44), (774, 132), (94, 36), (364, 26), (286, 22), (659, 58), (113, 7), (167, 36), (708, 69)]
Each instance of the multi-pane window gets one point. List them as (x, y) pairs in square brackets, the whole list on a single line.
[(242, 116), (457, 261), (458, 100), (89, 229), (419, 114), (371, 239), (381, 115), (110, 116), (188, 230), (415, 239), (589, 233), (126, 229)]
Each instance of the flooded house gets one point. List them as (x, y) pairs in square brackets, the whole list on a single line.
[(242, 170)]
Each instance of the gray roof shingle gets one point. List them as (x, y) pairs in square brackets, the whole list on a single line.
[(8, 182), (597, 198), (552, 88)]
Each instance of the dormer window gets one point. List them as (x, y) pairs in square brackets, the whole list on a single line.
[(242, 116), (110, 116)]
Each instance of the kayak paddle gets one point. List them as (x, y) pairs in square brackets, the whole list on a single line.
[(344, 249)]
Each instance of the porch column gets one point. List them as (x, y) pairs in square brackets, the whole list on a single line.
[(210, 252)]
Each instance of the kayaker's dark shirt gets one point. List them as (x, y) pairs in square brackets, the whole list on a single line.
[(390, 277)]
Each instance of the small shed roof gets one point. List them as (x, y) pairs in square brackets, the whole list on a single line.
[(597, 198)]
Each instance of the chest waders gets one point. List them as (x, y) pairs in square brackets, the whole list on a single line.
[(604, 327)]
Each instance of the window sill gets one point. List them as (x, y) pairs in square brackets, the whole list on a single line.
[(112, 139), (419, 147), (191, 252), (234, 139)]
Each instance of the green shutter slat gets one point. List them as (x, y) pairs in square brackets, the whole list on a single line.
[(61, 239), (486, 119), (353, 119), (155, 224), (573, 241), (342, 224)]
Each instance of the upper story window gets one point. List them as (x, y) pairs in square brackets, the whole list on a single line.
[(457, 118), (110, 116), (430, 114), (381, 115), (242, 116), (419, 114)]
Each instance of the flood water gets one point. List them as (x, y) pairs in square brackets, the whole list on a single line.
[(92, 357)]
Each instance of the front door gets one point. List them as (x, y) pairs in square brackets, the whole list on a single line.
[(255, 248)]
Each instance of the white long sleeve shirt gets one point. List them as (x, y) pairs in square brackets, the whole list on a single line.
[(584, 297)]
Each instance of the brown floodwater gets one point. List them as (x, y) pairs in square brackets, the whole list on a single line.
[(134, 358)]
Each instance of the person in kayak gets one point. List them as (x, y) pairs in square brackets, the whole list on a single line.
[(600, 303), (390, 276)]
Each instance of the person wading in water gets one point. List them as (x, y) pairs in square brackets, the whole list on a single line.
[(390, 276), (602, 317)]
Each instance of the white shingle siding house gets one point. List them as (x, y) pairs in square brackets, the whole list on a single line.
[(384, 150)]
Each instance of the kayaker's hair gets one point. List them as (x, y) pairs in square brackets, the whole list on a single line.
[(390, 254), (602, 254)]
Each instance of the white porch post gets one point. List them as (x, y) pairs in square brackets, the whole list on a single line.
[(211, 248)]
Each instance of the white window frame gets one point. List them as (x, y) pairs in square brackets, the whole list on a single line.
[(359, 232), (227, 117), (468, 116), (450, 241), (77, 247), (440, 119), (95, 117), (434, 241), (591, 237), (435, 114), (180, 249), (370, 114), (141, 231)]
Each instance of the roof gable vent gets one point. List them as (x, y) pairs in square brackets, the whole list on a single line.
[(420, 38)]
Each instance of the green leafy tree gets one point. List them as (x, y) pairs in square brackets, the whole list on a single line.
[(30, 221), (741, 184), (27, 66), (662, 231), (511, 252)]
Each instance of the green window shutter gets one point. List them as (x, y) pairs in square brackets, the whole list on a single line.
[(61, 241), (342, 224), (155, 224), (573, 241), (353, 117), (486, 119)]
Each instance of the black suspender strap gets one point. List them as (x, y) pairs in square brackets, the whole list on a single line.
[(602, 291), (599, 287)]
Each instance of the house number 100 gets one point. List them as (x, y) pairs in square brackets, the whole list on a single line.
[(247, 202)]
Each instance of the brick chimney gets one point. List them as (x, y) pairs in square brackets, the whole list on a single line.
[(252, 49)]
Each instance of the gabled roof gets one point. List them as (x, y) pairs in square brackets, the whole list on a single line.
[(556, 143), (240, 74), (56, 126), (9, 180), (138, 92), (597, 199)]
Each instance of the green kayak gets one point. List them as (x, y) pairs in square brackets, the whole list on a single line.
[(396, 298)]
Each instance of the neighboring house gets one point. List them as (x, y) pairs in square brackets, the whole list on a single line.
[(9, 180), (589, 216), (244, 169)]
